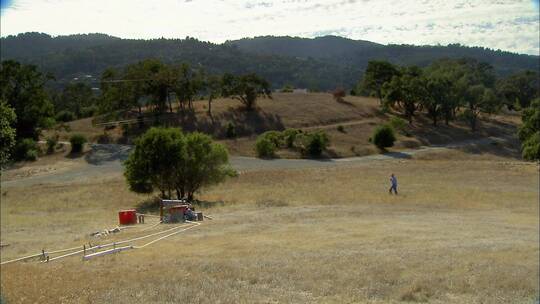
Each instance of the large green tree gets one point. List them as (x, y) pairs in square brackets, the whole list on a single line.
[(519, 89), (187, 85), (438, 101), (529, 132), (149, 81), (75, 97), (7, 132), (377, 74), (22, 87), (406, 91), (246, 88), (175, 164), (212, 85), (479, 99)]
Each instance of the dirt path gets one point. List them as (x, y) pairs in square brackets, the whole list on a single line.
[(105, 160)]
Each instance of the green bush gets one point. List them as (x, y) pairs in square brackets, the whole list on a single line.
[(384, 137), (26, 149), (65, 116), (89, 111), (315, 143), (31, 155), (289, 137), (399, 124), (341, 129), (231, 130), (287, 89), (51, 143), (265, 147), (275, 136), (77, 143)]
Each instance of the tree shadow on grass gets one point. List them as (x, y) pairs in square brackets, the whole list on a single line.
[(397, 155), (75, 155), (208, 204), (508, 149), (106, 153), (347, 103), (150, 205)]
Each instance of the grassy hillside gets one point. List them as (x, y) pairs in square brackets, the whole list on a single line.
[(358, 116), (461, 231)]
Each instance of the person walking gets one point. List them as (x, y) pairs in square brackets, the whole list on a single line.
[(393, 182)]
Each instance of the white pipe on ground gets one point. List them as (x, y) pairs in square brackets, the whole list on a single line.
[(168, 235), (104, 252), (93, 248)]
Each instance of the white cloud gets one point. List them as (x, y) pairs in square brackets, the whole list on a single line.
[(506, 25)]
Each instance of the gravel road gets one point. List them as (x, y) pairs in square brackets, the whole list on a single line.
[(105, 160)]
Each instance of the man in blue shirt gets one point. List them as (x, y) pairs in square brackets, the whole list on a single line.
[(393, 181)]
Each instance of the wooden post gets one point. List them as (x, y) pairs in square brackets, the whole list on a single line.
[(161, 210)]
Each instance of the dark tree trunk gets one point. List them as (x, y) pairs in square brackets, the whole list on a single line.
[(379, 95), (473, 122)]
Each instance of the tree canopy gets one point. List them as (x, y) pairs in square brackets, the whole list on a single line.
[(7, 132), (518, 90), (175, 164), (377, 74), (22, 87), (245, 88), (529, 132)]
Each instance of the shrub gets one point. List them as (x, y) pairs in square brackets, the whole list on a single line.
[(339, 93), (341, 129), (65, 116), (265, 147), (287, 89), (77, 143), (384, 137), (26, 149), (31, 155), (275, 136), (89, 111), (51, 143), (231, 130), (399, 124), (289, 137), (315, 143)]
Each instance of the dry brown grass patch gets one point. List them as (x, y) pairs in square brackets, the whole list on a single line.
[(459, 232)]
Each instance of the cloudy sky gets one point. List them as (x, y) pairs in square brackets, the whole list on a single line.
[(498, 24)]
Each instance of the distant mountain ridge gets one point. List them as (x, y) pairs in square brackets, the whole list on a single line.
[(320, 47), (320, 63), (358, 52)]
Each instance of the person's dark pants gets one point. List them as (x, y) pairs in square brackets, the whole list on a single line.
[(393, 187)]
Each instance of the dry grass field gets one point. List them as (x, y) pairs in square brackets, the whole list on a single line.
[(358, 116), (464, 229)]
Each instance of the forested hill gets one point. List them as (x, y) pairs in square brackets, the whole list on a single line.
[(357, 53), (321, 63)]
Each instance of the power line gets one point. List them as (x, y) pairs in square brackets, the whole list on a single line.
[(101, 81)]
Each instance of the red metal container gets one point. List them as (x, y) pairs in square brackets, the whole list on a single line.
[(127, 217)]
